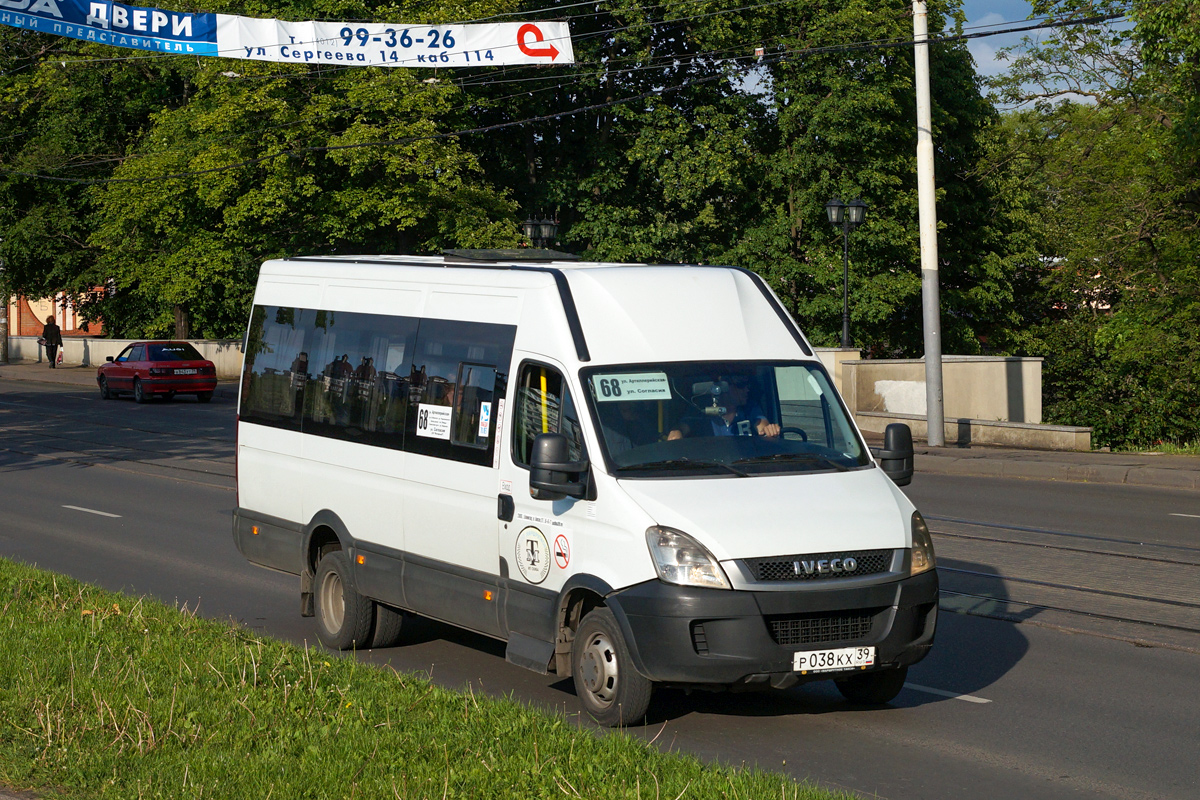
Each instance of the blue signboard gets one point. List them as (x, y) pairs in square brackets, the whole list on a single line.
[(115, 24)]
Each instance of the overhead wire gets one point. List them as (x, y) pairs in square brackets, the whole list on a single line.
[(655, 92)]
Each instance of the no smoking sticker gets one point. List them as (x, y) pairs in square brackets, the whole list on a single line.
[(562, 551)]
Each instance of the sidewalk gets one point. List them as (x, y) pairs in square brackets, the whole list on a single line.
[(83, 376), (1133, 469)]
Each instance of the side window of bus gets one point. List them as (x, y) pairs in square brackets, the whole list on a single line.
[(274, 343), (544, 405), (356, 376), (459, 369), (473, 405)]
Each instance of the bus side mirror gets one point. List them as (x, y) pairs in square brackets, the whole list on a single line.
[(552, 473), (896, 457)]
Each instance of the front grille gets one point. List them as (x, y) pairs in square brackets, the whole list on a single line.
[(798, 629), (807, 567)]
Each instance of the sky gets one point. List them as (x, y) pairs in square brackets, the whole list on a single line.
[(994, 12)]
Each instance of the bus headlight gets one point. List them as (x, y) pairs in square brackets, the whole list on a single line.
[(923, 559), (682, 560)]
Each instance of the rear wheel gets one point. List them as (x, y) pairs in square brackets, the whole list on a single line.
[(389, 624), (873, 688), (139, 394), (609, 687), (344, 617), (105, 392), (204, 397)]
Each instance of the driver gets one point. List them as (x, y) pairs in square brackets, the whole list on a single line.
[(739, 418)]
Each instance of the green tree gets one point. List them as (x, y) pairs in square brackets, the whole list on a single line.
[(64, 116), (732, 157), (1114, 182)]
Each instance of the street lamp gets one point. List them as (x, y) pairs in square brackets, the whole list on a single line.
[(540, 232), (848, 216)]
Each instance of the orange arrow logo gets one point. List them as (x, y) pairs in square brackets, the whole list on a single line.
[(537, 52)]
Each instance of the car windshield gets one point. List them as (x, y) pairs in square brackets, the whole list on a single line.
[(721, 418), (175, 351)]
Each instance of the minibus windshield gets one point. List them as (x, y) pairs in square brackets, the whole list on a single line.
[(732, 418)]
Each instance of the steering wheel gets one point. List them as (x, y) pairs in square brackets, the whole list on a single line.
[(800, 431)]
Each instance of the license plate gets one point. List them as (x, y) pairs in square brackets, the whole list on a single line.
[(833, 660), (185, 372)]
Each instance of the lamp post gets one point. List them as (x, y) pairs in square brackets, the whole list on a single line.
[(848, 216), (540, 232)]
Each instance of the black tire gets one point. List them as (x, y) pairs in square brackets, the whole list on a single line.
[(203, 397), (139, 394), (611, 691), (873, 688), (105, 392), (389, 625), (344, 617)]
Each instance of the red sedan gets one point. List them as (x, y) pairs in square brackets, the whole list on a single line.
[(158, 368)]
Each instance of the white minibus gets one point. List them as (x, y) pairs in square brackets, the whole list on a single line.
[(636, 475)]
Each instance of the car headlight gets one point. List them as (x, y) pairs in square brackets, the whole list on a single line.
[(923, 559), (682, 560)]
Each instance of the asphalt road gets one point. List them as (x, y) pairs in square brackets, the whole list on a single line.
[(1093, 693)]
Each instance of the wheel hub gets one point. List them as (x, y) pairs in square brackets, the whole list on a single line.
[(333, 606), (598, 669)]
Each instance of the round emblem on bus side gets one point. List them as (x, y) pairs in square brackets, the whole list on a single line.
[(533, 555)]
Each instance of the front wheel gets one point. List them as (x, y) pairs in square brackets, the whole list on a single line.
[(873, 688), (105, 392), (344, 617), (139, 394), (609, 687)]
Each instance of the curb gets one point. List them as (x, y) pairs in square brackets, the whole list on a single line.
[(1043, 469)]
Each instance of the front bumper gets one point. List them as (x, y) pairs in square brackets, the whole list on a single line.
[(690, 636)]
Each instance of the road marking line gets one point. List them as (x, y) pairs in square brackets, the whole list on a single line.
[(970, 698), (1189, 516), (93, 511)]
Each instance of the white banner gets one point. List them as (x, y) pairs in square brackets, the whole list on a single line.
[(350, 43), (386, 45)]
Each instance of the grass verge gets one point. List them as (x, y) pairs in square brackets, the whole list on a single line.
[(102, 695), (1168, 448)]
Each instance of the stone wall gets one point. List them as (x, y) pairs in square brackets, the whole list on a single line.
[(226, 354), (996, 388)]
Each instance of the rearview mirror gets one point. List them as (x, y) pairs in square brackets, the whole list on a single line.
[(551, 472), (896, 457)]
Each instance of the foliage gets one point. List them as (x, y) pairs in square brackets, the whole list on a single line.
[(719, 156), (735, 162), (1108, 189), (244, 161)]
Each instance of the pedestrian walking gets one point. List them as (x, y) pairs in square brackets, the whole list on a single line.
[(52, 338)]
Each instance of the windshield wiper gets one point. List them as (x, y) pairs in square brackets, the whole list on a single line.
[(840, 467), (685, 463)]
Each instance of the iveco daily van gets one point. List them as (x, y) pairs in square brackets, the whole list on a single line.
[(636, 475)]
